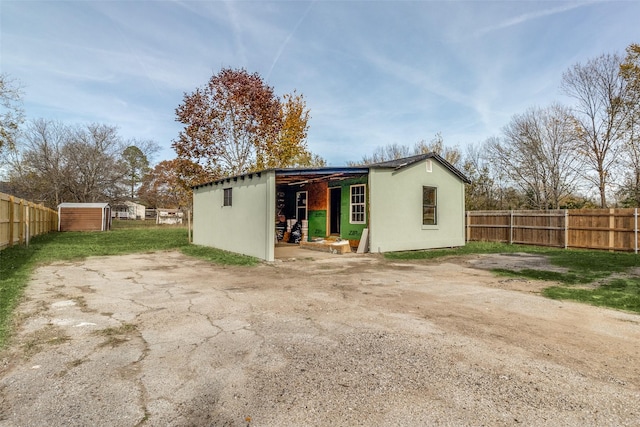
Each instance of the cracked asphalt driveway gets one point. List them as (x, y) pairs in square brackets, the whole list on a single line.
[(160, 339)]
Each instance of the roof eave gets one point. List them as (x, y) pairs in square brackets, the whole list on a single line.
[(290, 172)]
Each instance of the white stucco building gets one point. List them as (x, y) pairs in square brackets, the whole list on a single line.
[(406, 204)]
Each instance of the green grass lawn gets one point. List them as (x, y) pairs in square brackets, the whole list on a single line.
[(591, 277), (18, 262)]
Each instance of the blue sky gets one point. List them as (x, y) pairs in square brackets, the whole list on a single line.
[(372, 72)]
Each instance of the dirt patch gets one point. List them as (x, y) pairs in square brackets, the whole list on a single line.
[(161, 339), (514, 261)]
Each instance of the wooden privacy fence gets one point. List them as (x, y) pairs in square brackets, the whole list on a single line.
[(610, 229), (20, 220)]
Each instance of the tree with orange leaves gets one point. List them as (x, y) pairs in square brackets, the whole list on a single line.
[(168, 185), (236, 124)]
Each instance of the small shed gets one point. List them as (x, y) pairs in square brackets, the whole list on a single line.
[(84, 217)]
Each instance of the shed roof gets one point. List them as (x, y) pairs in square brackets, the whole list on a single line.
[(293, 175), (83, 205), (408, 161)]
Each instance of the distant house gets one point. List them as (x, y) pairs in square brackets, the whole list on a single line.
[(405, 204), (129, 210), (84, 217)]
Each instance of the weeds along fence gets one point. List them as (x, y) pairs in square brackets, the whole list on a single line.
[(609, 229), (20, 220)]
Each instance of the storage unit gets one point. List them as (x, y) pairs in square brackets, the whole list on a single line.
[(84, 217)]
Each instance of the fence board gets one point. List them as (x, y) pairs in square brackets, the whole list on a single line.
[(20, 220), (610, 229)]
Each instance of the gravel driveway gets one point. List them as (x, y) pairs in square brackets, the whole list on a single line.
[(160, 339)]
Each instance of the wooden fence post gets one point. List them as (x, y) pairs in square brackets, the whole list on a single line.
[(566, 228), (467, 231), (21, 221), (511, 227), (27, 223), (635, 229), (612, 226), (12, 218)]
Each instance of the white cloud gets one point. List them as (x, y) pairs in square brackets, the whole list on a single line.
[(529, 16)]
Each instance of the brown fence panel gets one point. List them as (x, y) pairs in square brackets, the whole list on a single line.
[(21, 220), (490, 226), (625, 230), (610, 229), (589, 228), (541, 228)]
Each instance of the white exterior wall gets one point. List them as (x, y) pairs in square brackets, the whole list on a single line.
[(395, 222), (247, 226), (136, 210)]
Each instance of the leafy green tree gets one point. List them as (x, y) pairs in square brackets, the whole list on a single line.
[(137, 165)]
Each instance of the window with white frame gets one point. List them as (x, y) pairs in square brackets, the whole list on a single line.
[(357, 204), (227, 197), (429, 206)]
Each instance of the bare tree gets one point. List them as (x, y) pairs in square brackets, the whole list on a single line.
[(451, 154), (93, 170), (600, 113), (56, 163), (483, 192), (630, 72), (397, 151), (537, 152), (37, 170), (629, 193), (11, 112), (383, 154)]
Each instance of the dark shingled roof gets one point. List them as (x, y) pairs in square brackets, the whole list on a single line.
[(293, 174), (408, 161)]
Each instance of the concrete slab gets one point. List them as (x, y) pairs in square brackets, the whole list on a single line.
[(284, 251)]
